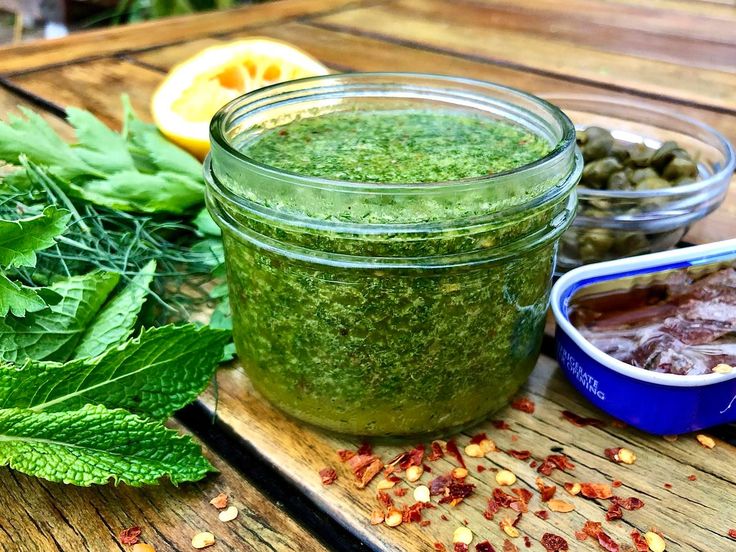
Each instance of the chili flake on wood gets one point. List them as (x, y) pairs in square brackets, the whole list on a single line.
[(581, 421), (524, 404), (509, 546), (607, 543), (454, 452), (130, 535), (640, 545), (328, 475), (553, 543), (596, 490)]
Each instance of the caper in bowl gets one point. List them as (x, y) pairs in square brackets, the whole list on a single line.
[(649, 174)]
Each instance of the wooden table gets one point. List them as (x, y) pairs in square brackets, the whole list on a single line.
[(677, 53)]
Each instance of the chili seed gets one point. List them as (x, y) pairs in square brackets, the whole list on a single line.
[(394, 518), (573, 488), (462, 535), (459, 473), (505, 477), (385, 484), (228, 514), (654, 541), (203, 539), (560, 506), (626, 456), (474, 451), (486, 445), (413, 473), (141, 547), (706, 441), (421, 493), (722, 369), (376, 517)]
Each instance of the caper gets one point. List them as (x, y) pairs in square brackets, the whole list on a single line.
[(639, 175), (620, 152), (640, 155), (619, 181), (581, 137), (598, 147), (653, 183), (664, 154), (630, 243), (597, 173), (680, 167), (595, 243)]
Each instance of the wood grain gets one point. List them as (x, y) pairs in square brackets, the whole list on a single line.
[(693, 515), (439, 25), (114, 40), (39, 516)]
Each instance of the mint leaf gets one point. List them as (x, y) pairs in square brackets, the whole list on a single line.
[(97, 144), (94, 445), (206, 225), (20, 239), (147, 193), (154, 374), (115, 322), (53, 333)]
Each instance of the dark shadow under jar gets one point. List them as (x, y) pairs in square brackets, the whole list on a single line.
[(389, 309)]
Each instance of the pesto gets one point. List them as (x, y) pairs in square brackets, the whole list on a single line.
[(413, 350), (397, 146)]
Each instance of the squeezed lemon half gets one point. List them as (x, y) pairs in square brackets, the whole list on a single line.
[(194, 90)]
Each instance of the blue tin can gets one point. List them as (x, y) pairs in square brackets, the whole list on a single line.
[(651, 401)]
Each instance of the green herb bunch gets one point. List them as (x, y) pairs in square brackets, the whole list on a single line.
[(81, 400), (89, 232)]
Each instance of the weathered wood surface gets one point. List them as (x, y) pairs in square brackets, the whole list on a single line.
[(39, 516), (693, 515), (675, 53)]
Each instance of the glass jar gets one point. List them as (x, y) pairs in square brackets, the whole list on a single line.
[(378, 309)]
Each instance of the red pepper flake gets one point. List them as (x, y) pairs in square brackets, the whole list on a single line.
[(345, 455), (509, 546), (400, 491), (524, 404), (614, 512), (524, 495), (616, 483), (453, 451), (393, 478), (630, 504), (547, 491), (413, 512), (328, 475), (692, 477), (612, 454), (542, 514), (439, 484), (553, 543), (607, 543), (596, 490), (130, 535), (668, 485), (414, 457), (533, 464), (476, 439), (484, 546), (581, 421), (504, 500), (427, 468), (365, 467), (500, 424), (460, 547), (732, 533), (439, 547), (385, 500), (436, 452), (555, 461), (514, 438), (491, 510), (527, 542), (592, 529), (640, 545), (520, 454), (444, 517), (480, 468), (397, 459), (456, 492), (365, 448), (424, 523)]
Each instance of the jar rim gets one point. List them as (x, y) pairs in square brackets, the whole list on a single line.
[(224, 115)]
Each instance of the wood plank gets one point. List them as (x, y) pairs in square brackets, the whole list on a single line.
[(638, 16), (694, 515), (9, 104), (714, 8), (439, 25), (38, 515), (112, 40)]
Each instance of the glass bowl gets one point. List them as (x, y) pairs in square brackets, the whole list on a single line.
[(611, 224)]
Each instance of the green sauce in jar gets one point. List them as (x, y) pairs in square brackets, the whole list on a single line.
[(397, 307)]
